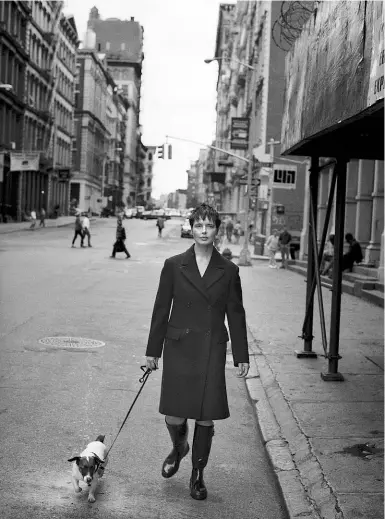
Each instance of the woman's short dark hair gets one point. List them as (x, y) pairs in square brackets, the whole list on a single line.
[(205, 211)]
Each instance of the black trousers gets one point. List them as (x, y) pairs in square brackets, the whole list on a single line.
[(119, 246), (78, 233), (86, 232)]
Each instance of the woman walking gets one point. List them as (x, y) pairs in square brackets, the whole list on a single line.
[(272, 245), (78, 231), (200, 287), (119, 245)]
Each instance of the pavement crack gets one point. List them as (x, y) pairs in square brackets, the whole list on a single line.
[(270, 385)]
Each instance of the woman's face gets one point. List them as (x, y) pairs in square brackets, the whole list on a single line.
[(204, 231)]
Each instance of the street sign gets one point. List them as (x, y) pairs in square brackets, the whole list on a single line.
[(239, 133), (265, 164)]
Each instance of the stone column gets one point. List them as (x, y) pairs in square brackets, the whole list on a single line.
[(364, 203), (305, 219), (372, 254), (351, 193), (381, 269)]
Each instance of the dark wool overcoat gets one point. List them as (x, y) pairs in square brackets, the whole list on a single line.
[(188, 322)]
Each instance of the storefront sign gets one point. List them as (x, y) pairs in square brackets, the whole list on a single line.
[(240, 133), (376, 81), (285, 176), (63, 175), (27, 161)]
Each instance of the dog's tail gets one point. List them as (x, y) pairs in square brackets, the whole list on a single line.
[(100, 438)]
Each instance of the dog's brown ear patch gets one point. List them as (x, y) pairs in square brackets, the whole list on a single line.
[(75, 458)]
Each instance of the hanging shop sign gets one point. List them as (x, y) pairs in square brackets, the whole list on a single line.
[(240, 127), (26, 161), (63, 175)]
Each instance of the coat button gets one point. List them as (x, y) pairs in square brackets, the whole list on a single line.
[(188, 330), (209, 307)]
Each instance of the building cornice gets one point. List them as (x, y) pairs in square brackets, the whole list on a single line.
[(82, 113)]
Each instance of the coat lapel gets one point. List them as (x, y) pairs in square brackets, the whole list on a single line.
[(189, 269), (215, 270)]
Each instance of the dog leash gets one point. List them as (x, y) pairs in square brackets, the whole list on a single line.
[(142, 380)]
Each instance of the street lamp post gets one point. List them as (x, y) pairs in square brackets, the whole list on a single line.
[(272, 142), (245, 256)]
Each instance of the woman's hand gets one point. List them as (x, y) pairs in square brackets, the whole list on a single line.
[(152, 363), (243, 369)]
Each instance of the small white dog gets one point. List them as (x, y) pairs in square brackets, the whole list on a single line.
[(89, 466)]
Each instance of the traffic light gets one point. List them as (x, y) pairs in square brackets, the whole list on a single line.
[(160, 152), (169, 152)]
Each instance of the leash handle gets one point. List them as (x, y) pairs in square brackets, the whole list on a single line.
[(147, 373), (142, 380)]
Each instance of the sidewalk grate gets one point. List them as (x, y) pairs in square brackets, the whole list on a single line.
[(71, 342)]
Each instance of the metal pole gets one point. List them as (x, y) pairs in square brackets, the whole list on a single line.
[(244, 255), (307, 333), (323, 239), (317, 278), (244, 159), (272, 143), (334, 356)]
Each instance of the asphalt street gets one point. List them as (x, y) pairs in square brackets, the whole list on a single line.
[(56, 399)]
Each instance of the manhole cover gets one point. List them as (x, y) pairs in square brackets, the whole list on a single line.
[(71, 342)]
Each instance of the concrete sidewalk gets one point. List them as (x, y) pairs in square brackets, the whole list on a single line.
[(62, 221), (324, 439)]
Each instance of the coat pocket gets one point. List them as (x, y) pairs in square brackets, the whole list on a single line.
[(174, 333)]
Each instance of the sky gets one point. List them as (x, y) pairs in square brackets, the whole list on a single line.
[(178, 88)]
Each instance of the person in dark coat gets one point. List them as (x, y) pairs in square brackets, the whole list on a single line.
[(200, 287), (354, 254), (119, 245), (160, 225), (78, 231)]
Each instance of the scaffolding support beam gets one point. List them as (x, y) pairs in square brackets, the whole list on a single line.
[(307, 334), (335, 319)]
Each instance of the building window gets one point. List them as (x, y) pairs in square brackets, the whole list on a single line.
[(107, 45), (122, 46)]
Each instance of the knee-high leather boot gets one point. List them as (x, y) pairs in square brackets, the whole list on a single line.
[(178, 434), (200, 455)]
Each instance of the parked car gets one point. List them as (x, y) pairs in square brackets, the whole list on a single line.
[(106, 213), (148, 215), (139, 211), (186, 231), (128, 213)]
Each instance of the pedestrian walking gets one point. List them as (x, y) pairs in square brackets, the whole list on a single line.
[(33, 219), (199, 287), (272, 245), (119, 245), (78, 231), (42, 217), (284, 245), (160, 225), (229, 229), (328, 256), (86, 230), (237, 231)]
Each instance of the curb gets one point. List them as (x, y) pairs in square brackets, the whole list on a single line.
[(38, 228), (306, 492)]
